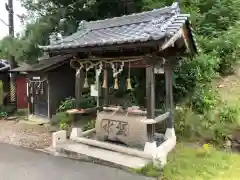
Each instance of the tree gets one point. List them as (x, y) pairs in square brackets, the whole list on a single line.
[(48, 16)]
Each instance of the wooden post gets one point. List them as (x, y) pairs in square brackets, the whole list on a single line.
[(169, 92), (150, 96), (78, 86), (49, 99)]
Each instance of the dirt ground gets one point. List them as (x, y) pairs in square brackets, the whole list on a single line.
[(22, 134)]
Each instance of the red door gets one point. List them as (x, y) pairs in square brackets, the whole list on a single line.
[(21, 90)]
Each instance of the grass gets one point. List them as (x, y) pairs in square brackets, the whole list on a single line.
[(149, 170), (229, 88), (189, 163)]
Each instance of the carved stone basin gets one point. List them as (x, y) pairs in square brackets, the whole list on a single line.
[(128, 128)]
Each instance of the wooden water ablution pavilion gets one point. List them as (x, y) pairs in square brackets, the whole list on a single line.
[(154, 40)]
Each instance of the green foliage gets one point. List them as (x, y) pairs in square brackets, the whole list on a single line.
[(65, 120), (89, 125), (149, 170), (204, 98), (190, 73), (3, 114), (216, 26), (6, 110), (66, 104), (86, 102), (229, 114), (214, 126), (187, 123)]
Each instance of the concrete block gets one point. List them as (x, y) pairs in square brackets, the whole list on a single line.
[(58, 138), (170, 133), (160, 160), (150, 147), (76, 132), (160, 156)]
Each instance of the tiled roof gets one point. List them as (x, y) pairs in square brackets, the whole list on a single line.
[(43, 64), (141, 27), (22, 67)]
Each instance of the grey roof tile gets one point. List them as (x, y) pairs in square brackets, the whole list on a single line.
[(141, 27), (43, 64)]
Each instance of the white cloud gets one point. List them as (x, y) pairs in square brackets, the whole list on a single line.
[(4, 16)]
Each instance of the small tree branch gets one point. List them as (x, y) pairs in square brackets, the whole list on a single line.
[(4, 22)]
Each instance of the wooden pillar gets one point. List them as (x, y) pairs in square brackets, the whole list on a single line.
[(169, 92), (49, 99), (29, 94), (78, 86), (150, 97)]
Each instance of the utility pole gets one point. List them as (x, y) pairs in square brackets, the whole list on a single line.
[(9, 8)]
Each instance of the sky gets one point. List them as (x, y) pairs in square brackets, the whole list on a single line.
[(4, 16)]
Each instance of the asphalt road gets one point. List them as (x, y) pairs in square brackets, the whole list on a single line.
[(23, 164)]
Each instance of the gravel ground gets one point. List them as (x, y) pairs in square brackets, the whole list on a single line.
[(25, 135)]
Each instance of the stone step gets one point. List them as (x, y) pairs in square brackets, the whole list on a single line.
[(101, 156)]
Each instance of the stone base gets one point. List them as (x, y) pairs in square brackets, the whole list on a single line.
[(84, 148), (101, 156), (76, 132)]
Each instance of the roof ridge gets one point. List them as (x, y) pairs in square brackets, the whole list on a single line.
[(92, 24), (86, 31)]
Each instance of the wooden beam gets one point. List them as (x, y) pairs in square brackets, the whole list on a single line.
[(169, 92), (162, 117), (172, 40)]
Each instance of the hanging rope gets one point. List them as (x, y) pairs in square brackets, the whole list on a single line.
[(104, 78), (92, 65), (129, 85), (38, 84), (116, 72), (36, 81), (113, 64), (86, 78)]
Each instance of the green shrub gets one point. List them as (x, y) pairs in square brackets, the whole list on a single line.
[(64, 119), (187, 123), (207, 126), (86, 102), (3, 114), (192, 73), (89, 125), (6, 110), (67, 104), (229, 114), (204, 99)]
